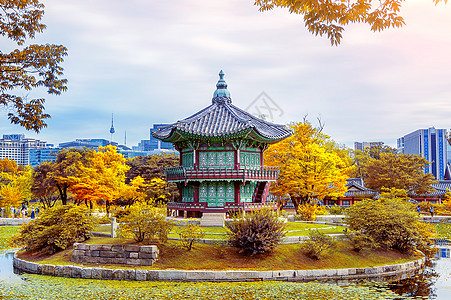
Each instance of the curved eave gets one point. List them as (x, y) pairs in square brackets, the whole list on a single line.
[(176, 135), (222, 121)]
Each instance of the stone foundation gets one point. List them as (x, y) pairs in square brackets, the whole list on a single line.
[(399, 271), (115, 254)]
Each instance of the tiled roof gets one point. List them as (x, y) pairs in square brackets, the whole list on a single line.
[(222, 118), (356, 188), (441, 187)]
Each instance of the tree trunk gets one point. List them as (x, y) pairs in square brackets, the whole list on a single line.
[(295, 201), (63, 193), (107, 206)]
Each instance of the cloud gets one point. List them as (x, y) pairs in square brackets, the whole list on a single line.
[(157, 62)]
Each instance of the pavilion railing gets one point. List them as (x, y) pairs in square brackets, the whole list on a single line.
[(259, 172), (225, 207)]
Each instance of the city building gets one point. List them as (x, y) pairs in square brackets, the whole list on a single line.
[(16, 147), (87, 143), (431, 144), (96, 143), (363, 145), (146, 145), (156, 143), (221, 149), (153, 145), (38, 156)]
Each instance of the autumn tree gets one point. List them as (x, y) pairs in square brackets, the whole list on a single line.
[(100, 177), (15, 188), (151, 169), (400, 171), (31, 67), (391, 222), (44, 186), (67, 166), (151, 166), (361, 158), (330, 17), (132, 192), (311, 165), (10, 166)]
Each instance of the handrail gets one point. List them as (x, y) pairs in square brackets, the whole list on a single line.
[(258, 172)]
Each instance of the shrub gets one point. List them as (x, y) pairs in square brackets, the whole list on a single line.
[(308, 212), (439, 209), (189, 234), (360, 241), (391, 221), (56, 229), (336, 210), (145, 222), (317, 245), (120, 213), (258, 231), (220, 248), (103, 220)]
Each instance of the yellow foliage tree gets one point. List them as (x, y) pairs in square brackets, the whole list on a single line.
[(133, 192), (32, 67), (17, 187), (100, 178), (311, 165), (400, 171), (329, 17)]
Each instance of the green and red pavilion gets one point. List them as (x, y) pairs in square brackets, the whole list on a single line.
[(221, 158)]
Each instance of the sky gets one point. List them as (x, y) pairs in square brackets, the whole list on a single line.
[(151, 62)]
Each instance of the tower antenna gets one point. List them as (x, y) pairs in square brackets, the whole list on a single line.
[(112, 127)]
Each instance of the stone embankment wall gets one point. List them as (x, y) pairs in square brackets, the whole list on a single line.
[(400, 270), (13, 222), (115, 254)]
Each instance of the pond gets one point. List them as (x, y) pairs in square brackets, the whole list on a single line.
[(6, 268), (433, 283)]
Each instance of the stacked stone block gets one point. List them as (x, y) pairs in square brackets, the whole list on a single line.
[(398, 271), (115, 254)]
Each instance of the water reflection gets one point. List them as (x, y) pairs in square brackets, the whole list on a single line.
[(6, 268), (433, 283)]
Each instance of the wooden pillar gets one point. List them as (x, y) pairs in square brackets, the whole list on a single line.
[(196, 194), (261, 157), (196, 160), (237, 192)]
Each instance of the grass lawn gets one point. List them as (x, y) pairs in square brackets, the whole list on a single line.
[(207, 257), (293, 228), (50, 288), (220, 233), (443, 230), (103, 229), (5, 233)]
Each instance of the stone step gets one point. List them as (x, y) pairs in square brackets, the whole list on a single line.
[(212, 219)]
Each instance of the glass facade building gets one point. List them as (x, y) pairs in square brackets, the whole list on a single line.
[(431, 144)]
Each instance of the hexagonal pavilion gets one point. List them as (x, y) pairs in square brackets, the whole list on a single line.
[(221, 158)]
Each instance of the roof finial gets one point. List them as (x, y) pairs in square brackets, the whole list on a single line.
[(221, 95)]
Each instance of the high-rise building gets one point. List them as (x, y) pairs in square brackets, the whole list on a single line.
[(156, 143), (363, 145), (38, 156), (87, 143), (429, 143), (16, 147)]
